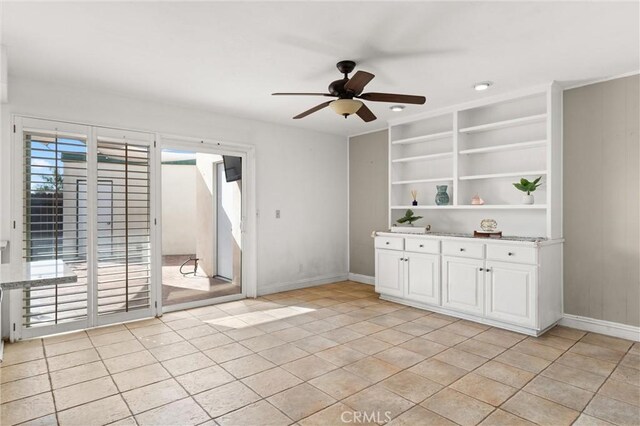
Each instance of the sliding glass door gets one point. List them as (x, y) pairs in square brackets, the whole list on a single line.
[(85, 199)]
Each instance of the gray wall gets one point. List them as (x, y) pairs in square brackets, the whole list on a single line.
[(368, 197), (601, 197)]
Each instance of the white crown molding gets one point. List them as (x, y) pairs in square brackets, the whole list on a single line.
[(602, 80), (368, 132)]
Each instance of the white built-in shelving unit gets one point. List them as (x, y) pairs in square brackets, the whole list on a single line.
[(481, 148)]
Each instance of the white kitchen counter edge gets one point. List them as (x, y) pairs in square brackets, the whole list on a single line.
[(539, 243)]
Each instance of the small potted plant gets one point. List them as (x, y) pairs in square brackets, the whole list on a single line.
[(525, 186), (409, 218)]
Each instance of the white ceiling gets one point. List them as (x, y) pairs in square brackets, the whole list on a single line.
[(228, 57)]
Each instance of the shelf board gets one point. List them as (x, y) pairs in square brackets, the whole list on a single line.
[(503, 175), (404, 182), (427, 207), (423, 157), (423, 138), (507, 147), (471, 207), (503, 124), (504, 207)]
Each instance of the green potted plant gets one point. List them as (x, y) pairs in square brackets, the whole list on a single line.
[(526, 186), (408, 218)]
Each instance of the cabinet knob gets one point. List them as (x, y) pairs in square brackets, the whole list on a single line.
[(488, 269), (387, 243), (421, 245), (481, 269), (462, 249), (510, 254)]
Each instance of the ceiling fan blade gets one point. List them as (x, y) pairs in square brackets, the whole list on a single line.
[(303, 94), (366, 114), (393, 97), (358, 81), (312, 110)]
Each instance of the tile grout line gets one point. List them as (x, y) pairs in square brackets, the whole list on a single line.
[(53, 396), (494, 408), (595, 393), (533, 378)]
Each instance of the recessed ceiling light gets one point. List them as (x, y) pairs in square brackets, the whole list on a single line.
[(396, 108), (483, 85)]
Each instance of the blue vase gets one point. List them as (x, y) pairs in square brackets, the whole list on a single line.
[(442, 198)]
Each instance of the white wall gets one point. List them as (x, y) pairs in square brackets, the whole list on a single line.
[(179, 209), (206, 213), (301, 173)]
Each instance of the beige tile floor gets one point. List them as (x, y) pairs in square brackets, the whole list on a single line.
[(319, 356)]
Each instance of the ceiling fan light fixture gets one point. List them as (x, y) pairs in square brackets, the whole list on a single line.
[(483, 85), (396, 108), (345, 107)]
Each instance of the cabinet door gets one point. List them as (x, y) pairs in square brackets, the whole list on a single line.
[(422, 278), (463, 284), (389, 266), (511, 292)]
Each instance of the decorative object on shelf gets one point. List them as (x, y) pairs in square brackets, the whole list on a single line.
[(410, 229), (488, 225), (476, 200), (525, 186), (480, 234), (489, 229), (414, 195), (442, 198), (408, 218)]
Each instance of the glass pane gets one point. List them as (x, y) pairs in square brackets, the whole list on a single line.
[(55, 224), (124, 229)]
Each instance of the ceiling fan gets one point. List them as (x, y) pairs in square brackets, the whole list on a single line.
[(349, 91)]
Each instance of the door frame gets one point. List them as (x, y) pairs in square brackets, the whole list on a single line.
[(248, 219)]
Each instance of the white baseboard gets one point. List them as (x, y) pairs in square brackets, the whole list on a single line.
[(364, 279), (609, 328), (295, 285)]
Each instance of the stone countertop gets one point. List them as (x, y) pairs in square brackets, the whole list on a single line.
[(35, 274), (506, 238)]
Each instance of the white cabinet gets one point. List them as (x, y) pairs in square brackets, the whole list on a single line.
[(422, 278), (389, 272), (514, 285), (463, 284), (415, 276), (511, 292)]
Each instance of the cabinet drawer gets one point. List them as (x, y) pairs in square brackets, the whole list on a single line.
[(422, 246), (463, 249), (391, 243), (515, 254)]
